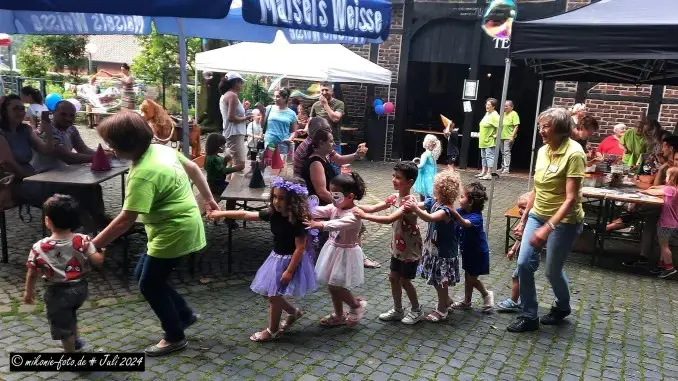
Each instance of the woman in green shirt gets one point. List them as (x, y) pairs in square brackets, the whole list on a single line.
[(487, 138), (159, 193), (553, 218)]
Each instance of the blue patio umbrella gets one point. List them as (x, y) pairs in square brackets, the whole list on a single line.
[(234, 27), (171, 8)]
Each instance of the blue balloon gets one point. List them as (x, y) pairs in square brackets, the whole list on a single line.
[(379, 109), (51, 101), (377, 102)]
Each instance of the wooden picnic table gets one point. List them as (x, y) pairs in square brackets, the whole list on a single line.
[(606, 198)]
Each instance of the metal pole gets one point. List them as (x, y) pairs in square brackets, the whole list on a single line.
[(184, 84), (388, 97), (195, 95), (504, 91), (534, 135)]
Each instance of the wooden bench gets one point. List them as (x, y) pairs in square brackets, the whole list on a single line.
[(512, 218)]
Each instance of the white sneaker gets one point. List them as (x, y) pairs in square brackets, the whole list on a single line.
[(481, 174), (392, 315), (413, 317), (505, 171), (486, 177), (488, 301)]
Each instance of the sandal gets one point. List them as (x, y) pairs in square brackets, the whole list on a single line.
[(291, 319), (370, 264), (436, 316), (461, 305), (356, 314), (260, 337), (333, 320)]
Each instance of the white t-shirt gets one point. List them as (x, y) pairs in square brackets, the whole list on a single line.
[(253, 128), (231, 128), (35, 110)]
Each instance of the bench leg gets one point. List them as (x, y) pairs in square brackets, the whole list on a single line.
[(3, 232), (508, 231)]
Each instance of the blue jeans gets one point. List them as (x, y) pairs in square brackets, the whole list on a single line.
[(487, 157), (153, 276), (337, 149), (558, 246)]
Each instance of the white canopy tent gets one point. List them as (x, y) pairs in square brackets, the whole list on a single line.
[(319, 62)]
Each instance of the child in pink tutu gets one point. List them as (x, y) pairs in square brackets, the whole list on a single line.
[(340, 262), (288, 270)]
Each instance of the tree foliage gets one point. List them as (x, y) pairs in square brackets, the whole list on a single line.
[(160, 54), (38, 54)]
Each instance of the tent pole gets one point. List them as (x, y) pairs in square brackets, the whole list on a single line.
[(184, 85), (504, 91), (534, 134), (195, 95), (388, 96)]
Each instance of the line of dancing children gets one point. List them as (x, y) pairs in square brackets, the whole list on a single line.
[(289, 269)]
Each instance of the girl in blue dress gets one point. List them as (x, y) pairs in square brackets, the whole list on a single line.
[(475, 253), (427, 166), (440, 261)]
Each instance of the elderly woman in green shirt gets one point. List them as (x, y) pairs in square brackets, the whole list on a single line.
[(159, 193), (553, 219), (487, 138)]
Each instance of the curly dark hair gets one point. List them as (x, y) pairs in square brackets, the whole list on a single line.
[(296, 204), (408, 169), (477, 195), (213, 142), (350, 183), (63, 211)]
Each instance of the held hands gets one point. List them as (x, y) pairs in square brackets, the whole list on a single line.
[(362, 150), (411, 205), (358, 212), (211, 206), (538, 239), (286, 277)]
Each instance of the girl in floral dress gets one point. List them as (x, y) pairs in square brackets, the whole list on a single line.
[(440, 262)]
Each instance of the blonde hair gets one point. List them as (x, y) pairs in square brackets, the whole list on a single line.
[(432, 144), (446, 186), (672, 177)]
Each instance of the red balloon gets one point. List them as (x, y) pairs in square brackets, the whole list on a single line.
[(389, 108)]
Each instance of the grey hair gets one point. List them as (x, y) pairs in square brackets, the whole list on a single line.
[(560, 119), (509, 102), (620, 127), (578, 107)]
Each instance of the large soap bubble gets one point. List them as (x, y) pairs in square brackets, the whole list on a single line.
[(498, 18)]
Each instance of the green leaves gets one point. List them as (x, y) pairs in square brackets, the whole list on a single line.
[(38, 54), (160, 54)]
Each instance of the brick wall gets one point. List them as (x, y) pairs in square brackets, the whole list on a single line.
[(668, 115), (610, 113)]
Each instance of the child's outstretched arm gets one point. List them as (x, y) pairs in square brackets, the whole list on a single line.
[(300, 247), (333, 225), (374, 208), (654, 191), (461, 220), (439, 215), (31, 277), (234, 215), (379, 219)]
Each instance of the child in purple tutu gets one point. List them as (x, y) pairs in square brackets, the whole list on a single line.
[(340, 262), (288, 270)]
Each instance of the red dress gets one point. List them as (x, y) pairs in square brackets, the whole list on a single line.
[(610, 146)]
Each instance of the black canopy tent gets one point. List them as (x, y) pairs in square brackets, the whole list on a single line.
[(618, 41)]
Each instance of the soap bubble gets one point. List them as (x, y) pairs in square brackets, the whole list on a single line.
[(498, 18)]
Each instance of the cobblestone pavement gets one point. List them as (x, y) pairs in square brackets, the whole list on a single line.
[(623, 325)]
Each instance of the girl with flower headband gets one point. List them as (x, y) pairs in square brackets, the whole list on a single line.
[(340, 262), (288, 270)]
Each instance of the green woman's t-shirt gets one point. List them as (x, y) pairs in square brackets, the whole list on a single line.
[(635, 147), (159, 190), (488, 130)]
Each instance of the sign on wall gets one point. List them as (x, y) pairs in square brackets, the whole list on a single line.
[(357, 18), (470, 90)]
